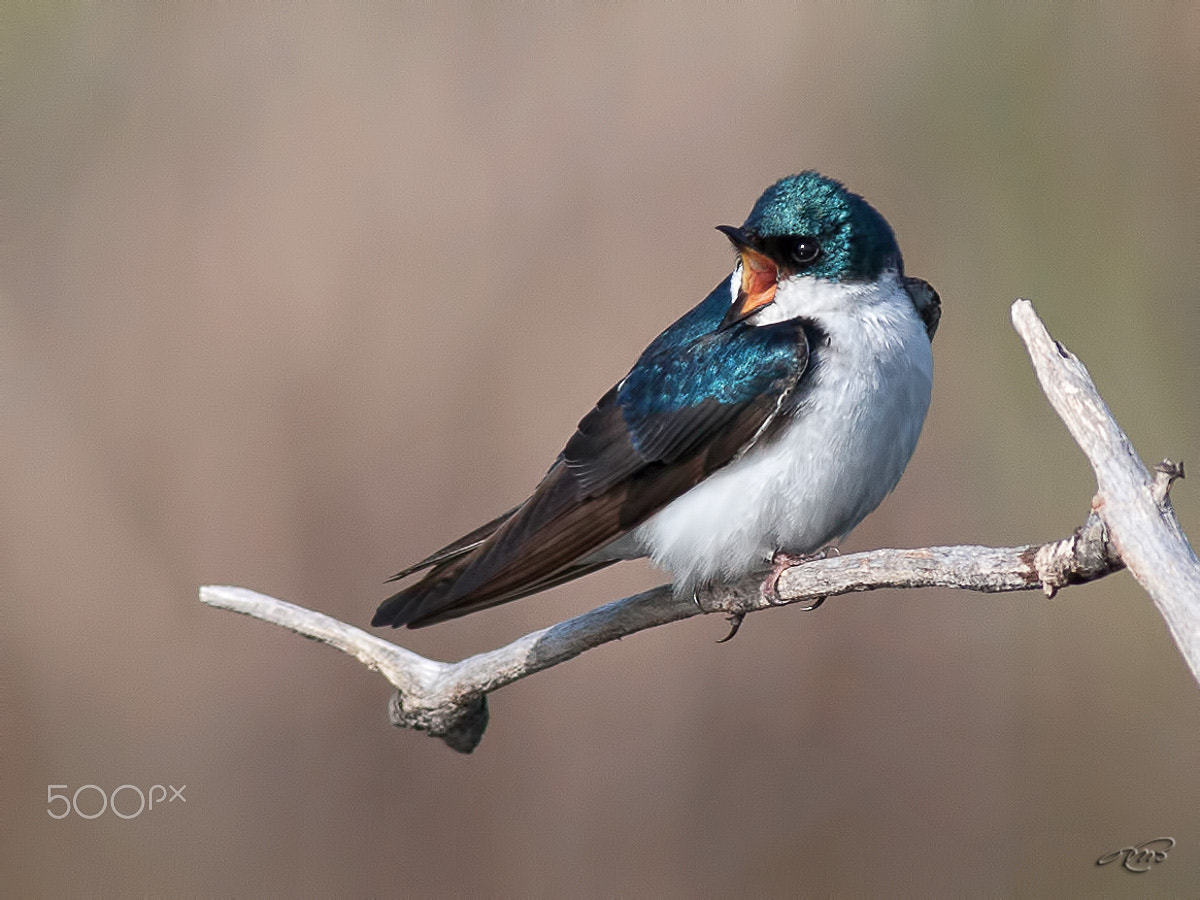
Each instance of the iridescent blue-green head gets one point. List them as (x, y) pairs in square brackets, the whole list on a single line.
[(812, 226), (855, 242)]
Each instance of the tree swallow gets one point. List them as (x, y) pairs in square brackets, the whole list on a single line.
[(765, 423)]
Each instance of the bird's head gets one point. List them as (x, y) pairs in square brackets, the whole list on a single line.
[(808, 226)]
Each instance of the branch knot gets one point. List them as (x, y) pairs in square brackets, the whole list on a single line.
[(459, 722), (1086, 555)]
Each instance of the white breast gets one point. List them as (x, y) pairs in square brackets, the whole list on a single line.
[(841, 455)]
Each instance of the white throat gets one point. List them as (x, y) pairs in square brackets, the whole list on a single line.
[(818, 298)]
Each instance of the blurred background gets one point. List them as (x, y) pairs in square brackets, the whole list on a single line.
[(291, 296)]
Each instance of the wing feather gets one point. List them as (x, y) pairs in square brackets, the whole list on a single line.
[(681, 414)]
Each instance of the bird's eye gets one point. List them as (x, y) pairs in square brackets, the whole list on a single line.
[(804, 250)]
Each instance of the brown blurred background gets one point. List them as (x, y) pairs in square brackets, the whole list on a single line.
[(291, 296)]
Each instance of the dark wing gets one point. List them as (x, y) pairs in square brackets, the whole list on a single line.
[(927, 302), (463, 545), (683, 412)]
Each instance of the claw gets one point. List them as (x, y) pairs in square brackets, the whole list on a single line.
[(735, 622)]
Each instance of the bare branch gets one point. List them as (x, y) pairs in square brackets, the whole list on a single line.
[(1131, 522), (1133, 505)]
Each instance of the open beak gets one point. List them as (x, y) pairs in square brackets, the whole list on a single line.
[(760, 277)]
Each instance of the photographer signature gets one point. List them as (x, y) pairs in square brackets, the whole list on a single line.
[(1141, 857)]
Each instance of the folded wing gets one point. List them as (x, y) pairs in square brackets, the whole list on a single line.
[(685, 410)]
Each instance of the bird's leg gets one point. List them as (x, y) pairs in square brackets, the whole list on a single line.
[(782, 561)]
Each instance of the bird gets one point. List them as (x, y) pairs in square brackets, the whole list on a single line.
[(762, 425)]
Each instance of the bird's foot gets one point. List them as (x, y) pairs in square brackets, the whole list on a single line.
[(734, 618), (781, 562)]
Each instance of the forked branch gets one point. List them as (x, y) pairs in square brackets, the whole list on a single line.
[(1131, 523)]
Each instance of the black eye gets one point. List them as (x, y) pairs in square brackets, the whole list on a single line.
[(804, 250)]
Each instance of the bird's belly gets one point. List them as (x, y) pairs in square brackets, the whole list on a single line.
[(831, 464)]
